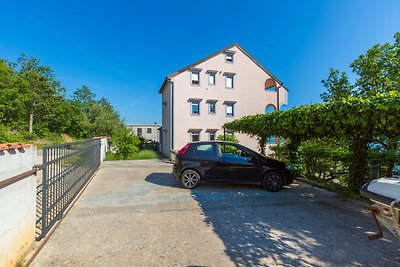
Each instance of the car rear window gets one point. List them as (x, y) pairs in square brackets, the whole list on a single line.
[(205, 149)]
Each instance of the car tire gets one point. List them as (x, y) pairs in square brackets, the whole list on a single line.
[(190, 179), (273, 181)]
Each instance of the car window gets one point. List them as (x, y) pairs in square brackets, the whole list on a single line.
[(232, 152), (205, 149)]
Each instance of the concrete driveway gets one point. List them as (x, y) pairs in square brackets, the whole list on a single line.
[(135, 214)]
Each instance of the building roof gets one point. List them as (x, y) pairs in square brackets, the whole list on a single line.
[(143, 124), (172, 75)]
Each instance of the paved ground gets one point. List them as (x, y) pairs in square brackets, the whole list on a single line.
[(134, 214)]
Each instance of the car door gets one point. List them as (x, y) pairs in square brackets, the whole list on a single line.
[(206, 157), (237, 164)]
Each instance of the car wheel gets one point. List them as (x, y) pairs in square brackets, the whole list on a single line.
[(190, 179), (273, 182)]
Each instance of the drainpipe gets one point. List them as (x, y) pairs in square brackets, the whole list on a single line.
[(277, 97), (171, 100)]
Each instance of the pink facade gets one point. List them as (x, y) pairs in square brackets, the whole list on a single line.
[(230, 67)]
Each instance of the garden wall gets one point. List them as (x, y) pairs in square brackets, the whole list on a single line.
[(17, 202)]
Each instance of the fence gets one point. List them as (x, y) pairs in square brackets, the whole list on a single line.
[(66, 170)]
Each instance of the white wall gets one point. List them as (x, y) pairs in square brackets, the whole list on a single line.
[(166, 121), (17, 205), (103, 148), (148, 136)]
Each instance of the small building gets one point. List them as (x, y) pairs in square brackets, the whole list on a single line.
[(147, 131), (200, 98)]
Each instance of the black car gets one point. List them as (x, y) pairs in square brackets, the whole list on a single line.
[(229, 162)]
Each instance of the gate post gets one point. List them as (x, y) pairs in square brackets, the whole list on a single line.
[(44, 194)]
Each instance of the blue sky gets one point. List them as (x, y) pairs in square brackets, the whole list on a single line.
[(123, 49)]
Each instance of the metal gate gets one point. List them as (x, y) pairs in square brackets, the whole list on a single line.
[(65, 171)]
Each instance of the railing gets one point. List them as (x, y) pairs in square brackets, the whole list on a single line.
[(66, 170)]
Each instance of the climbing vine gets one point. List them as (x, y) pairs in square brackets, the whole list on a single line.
[(359, 120)]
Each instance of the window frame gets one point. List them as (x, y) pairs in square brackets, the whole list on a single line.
[(212, 74), (233, 109), (191, 108), (194, 133), (209, 108), (149, 130), (191, 77), (250, 153), (226, 81), (205, 153), (229, 54), (215, 135)]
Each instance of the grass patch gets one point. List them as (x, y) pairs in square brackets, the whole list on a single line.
[(144, 154)]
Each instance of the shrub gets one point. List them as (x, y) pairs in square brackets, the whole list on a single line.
[(228, 138)]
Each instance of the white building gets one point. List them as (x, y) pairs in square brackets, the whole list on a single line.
[(147, 131), (200, 98)]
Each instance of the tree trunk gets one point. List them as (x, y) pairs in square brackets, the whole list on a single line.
[(31, 122), (261, 144), (293, 146), (358, 168)]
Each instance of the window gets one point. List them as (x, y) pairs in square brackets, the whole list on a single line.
[(195, 77), (229, 57), (208, 150), (149, 130), (212, 136), (194, 136), (211, 78), (211, 108), (195, 108), (233, 153), (229, 81), (229, 109), (270, 89), (139, 132), (269, 108), (271, 140), (270, 85)]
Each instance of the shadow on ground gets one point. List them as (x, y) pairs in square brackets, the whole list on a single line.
[(163, 179), (298, 226)]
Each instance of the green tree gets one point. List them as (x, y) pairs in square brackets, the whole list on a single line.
[(13, 97), (337, 86), (44, 91), (83, 98), (228, 137), (378, 71), (126, 143)]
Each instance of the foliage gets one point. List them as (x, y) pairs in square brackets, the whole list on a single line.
[(126, 143), (228, 137), (148, 144), (337, 86), (7, 136), (33, 105), (356, 115), (143, 154)]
